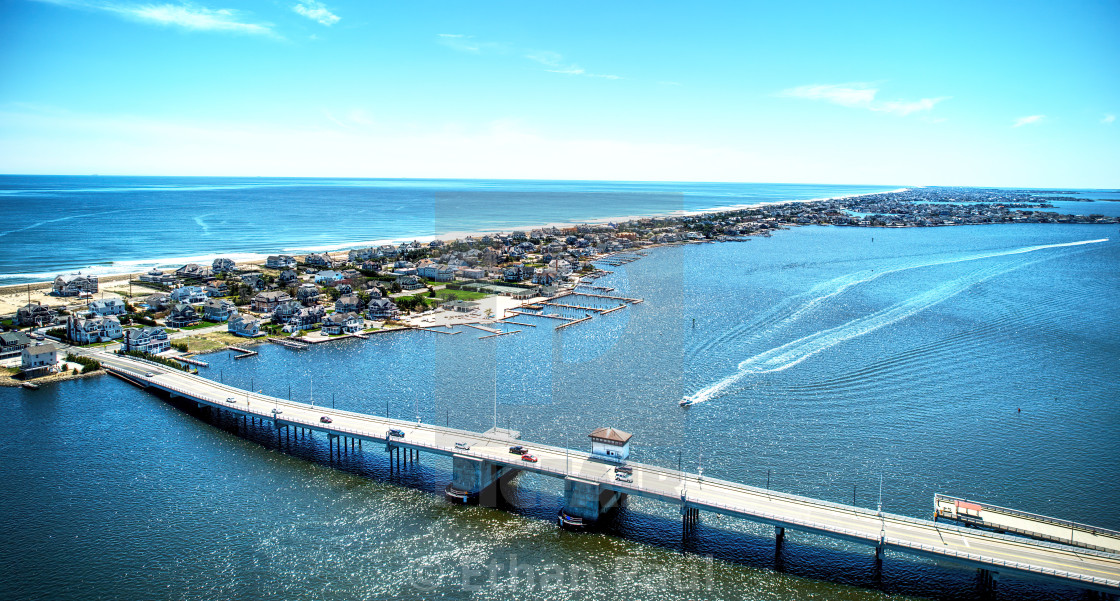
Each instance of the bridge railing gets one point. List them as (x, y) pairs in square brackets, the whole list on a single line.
[(1067, 524), (1025, 567)]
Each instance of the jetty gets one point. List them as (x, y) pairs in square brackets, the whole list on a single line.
[(580, 307), (518, 323), (500, 333), (435, 331), (572, 323), (592, 488), (483, 328), (191, 361), (549, 315), (292, 344)]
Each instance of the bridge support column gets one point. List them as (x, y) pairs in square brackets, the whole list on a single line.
[(473, 481), (779, 536), (988, 580), (585, 502)]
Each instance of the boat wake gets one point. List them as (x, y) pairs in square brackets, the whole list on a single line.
[(792, 353)]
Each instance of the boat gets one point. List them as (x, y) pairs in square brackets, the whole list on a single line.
[(686, 403), (30, 385)]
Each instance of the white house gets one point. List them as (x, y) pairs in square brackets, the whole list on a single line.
[(189, 294), (243, 325), (609, 442), (218, 309), (39, 357), (151, 340), (109, 306), (93, 329), (342, 323)]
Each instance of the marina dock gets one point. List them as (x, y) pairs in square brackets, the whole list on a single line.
[(591, 488)]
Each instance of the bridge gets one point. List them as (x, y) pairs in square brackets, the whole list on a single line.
[(591, 488)]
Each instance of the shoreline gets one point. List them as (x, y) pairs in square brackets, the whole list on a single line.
[(344, 247)]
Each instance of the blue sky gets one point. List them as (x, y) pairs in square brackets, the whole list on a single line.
[(907, 93)]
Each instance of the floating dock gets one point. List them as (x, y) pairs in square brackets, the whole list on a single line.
[(190, 361), (498, 334), (292, 344)]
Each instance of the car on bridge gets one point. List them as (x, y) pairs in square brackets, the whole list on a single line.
[(621, 477), (463, 446), (231, 400), (518, 450), (395, 432), (325, 420), (149, 374), (529, 458)]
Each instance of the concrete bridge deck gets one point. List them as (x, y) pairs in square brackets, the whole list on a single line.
[(992, 552)]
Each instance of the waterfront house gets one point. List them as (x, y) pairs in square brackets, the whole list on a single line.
[(243, 325), (88, 330), (216, 288), (12, 344), (182, 315), (39, 358), (288, 277), (382, 308), (156, 276), (266, 302), (342, 323), (280, 262), (545, 277), (152, 340), (193, 272), (308, 294), (307, 318), (409, 282), (108, 306), (223, 265), (610, 442), (285, 311), (349, 303), (319, 260), (218, 309), (34, 315), (74, 285)]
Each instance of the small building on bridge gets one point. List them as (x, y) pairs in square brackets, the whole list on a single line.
[(610, 442)]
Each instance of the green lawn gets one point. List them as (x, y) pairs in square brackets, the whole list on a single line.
[(202, 324)]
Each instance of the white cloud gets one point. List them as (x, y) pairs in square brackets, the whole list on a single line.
[(316, 11), (468, 43), (1021, 121), (556, 60), (1108, 118), (553, 60), (186, 16), (861, 95)]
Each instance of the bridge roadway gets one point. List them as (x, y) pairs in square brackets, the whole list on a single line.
[(997, 553)]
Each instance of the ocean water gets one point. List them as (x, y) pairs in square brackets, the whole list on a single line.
[(102, 225), (978, 361)]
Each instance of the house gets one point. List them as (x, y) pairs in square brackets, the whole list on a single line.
[(243, 325), (545, 277), (216, 288), (308, 294), (109, 306), (319, 260), (473, 273), (512, 274), (182, 315), (285, 311), (349, 303), (460, 306), (40, 357), (287, 277), (74, 284), (223, 265), (159, 301), (344, 289), (343, 323), (188, 294), (254, 281), (156, 276), (88, 330), (438, 273), (266, 302), (217, 309), (609, 442), (409, 282), (280, 262), (360, 254), (373, 266), (308, 317), (328, 276), (382, 308), (34, 315), (12, 344), (152, 340), (194, 271)]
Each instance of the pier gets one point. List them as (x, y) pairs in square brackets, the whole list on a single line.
[(482, 460), (292, 344), (190, 361)]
